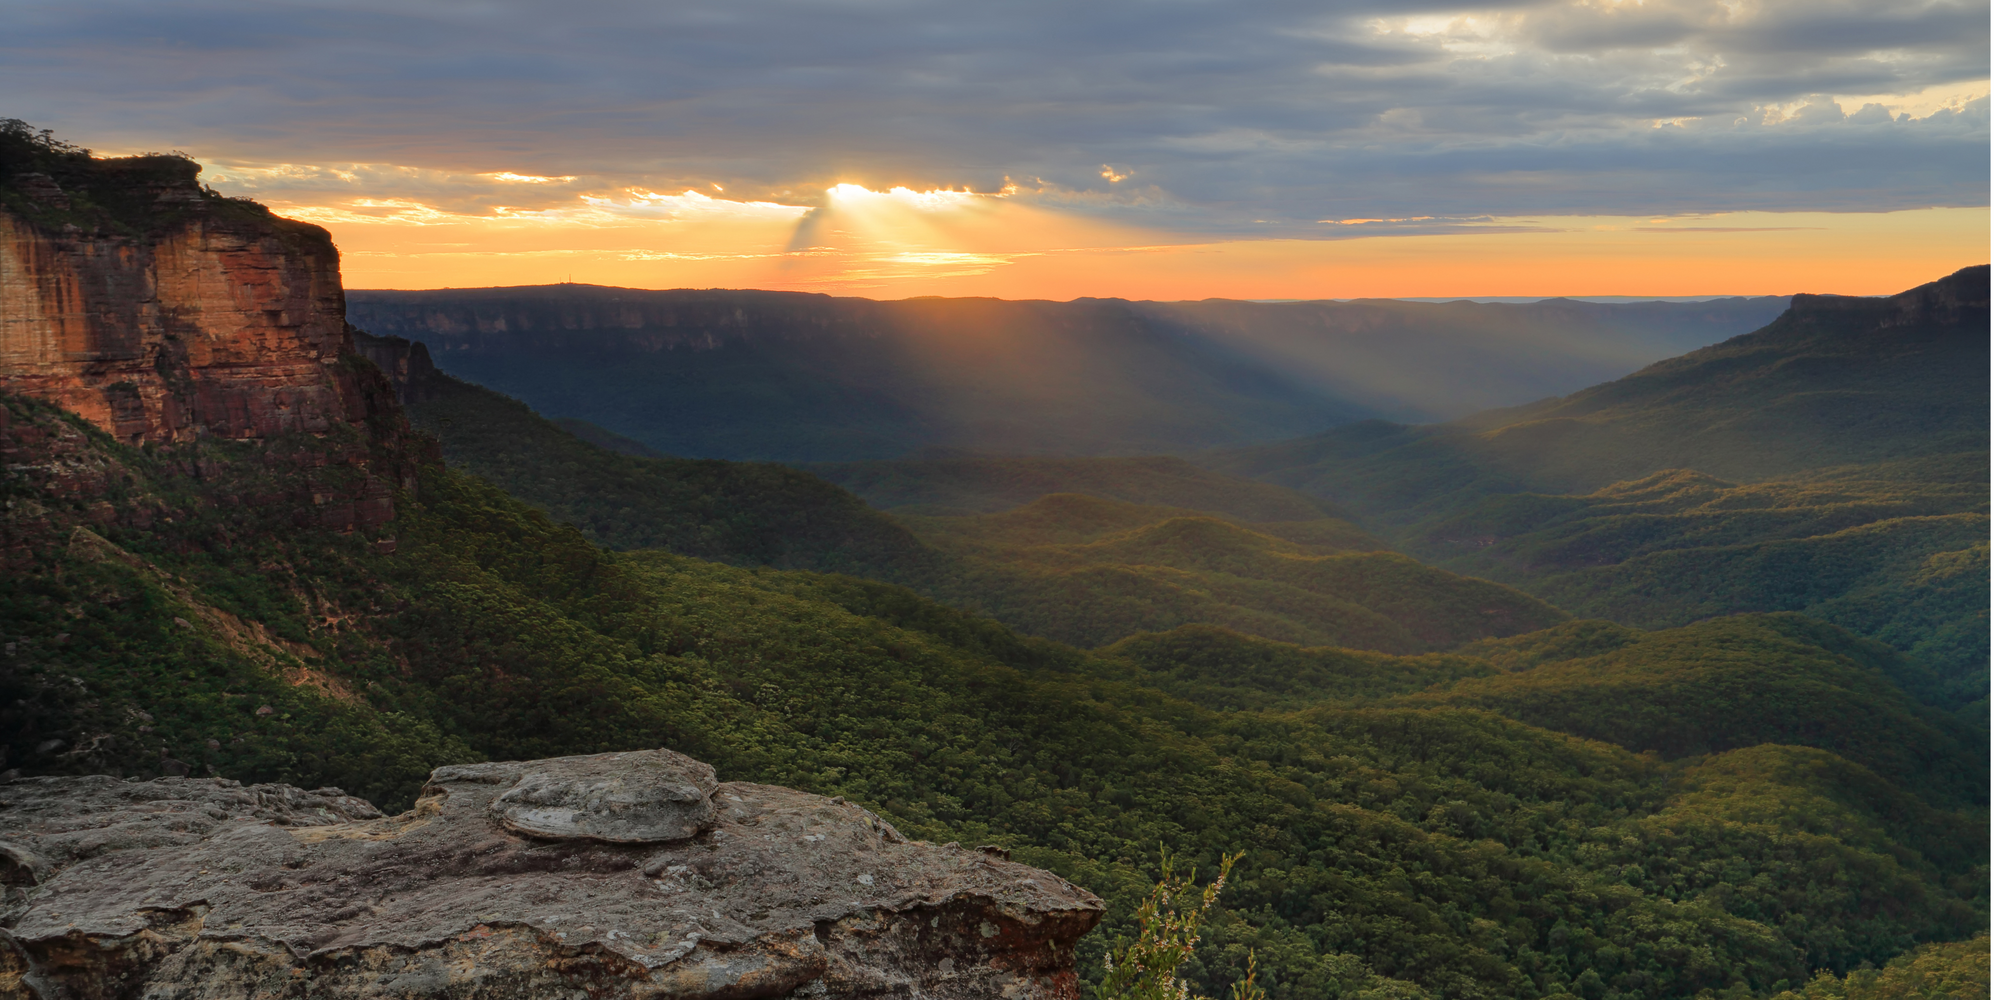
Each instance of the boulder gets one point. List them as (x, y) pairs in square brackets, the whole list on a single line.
[(648, 798), (607, 876)]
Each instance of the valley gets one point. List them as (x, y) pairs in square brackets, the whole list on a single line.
[(1670, 687), (1834, 463), (793, 377)]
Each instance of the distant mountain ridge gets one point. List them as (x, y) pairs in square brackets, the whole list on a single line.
[(1834, 381), (1834, 463), (796, 377)]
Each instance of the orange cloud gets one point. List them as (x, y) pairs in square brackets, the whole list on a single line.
[(902, 242)]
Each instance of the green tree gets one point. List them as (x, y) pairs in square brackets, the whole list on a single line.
[(1170, 919)]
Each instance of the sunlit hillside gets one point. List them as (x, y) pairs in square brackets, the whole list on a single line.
[(1834, 463)]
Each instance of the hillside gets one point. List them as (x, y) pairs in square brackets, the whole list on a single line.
[(1896, 550), (1834, 463), (1834, 381), (317, 657), (793, 377), (622, 496), (1089, 572), (1081, 570), (947, 484), (1727, 684)]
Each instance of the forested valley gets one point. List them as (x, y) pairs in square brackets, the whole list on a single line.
[(1670, 688)]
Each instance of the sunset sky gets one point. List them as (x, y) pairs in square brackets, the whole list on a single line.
[(1135, 148)]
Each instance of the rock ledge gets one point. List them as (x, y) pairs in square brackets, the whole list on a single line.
[(615, 875)]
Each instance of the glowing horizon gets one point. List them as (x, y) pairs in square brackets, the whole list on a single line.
[(1141, 150), (900, 242)]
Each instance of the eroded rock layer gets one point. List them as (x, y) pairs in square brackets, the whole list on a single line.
[(182, 317), (212, 317), (634, 875)]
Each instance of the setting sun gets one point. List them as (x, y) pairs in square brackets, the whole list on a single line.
[(837, 500)]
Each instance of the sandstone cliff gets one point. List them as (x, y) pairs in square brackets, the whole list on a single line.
[(165, 314), (214, 319), (616, 875)]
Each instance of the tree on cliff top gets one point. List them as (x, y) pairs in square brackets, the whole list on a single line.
[(26, 149)]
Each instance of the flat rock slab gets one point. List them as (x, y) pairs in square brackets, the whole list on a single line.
[(616, 875), (645, 797)]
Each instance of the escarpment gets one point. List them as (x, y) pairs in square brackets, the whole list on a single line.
[(211, 320), (165, 314), (615, 875)]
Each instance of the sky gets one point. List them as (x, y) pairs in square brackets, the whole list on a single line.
[(1140, 148)]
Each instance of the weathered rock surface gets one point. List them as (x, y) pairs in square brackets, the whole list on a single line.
[(647, 798), (192, 317), (219, 322), (619, 885)]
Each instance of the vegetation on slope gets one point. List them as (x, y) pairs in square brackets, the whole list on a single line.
[(1229, 671), (1834, 464), (1090, 571), (945, 485), (1078, 569), (1961, 970), (743, 513), (1736, 682), (590, 433), (156, 621), (54, 183), (1897, 551), (1415, 847), (1078, 519)]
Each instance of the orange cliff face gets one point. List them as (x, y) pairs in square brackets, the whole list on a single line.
[(172, 315), (216, 325)]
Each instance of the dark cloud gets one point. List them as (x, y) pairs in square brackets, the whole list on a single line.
[(1218, 113)]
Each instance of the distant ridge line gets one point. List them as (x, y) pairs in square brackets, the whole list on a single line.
[(586, 287)]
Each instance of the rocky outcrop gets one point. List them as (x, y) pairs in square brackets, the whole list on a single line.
[(616, 875), (406, 363), (183, 316), (1958, 303), (210, 318)]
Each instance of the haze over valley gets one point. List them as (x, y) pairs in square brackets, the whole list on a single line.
[(1129, 501), (791, 377)]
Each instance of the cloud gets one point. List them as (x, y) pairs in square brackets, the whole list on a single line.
[(347, 194), (1198, 115)]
